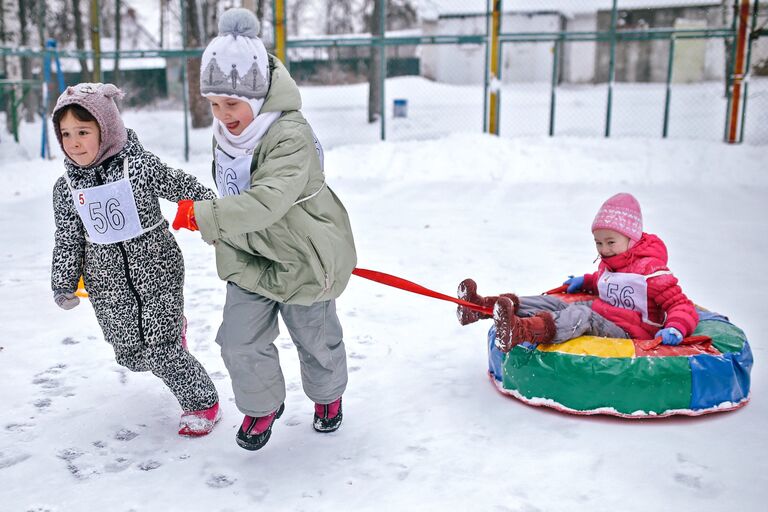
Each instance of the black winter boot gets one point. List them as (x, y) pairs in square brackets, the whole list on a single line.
[(328, 416), (255, 432)]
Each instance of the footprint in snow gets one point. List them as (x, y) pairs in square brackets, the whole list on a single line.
[(69, 341), (125, 434), (11, 458), (149, 465), (220, 481), (19, 427), (117, 465), (42, 403)]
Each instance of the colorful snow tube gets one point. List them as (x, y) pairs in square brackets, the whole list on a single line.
[(618, 377)]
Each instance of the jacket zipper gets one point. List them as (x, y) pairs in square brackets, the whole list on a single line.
[(132, 288), (327, 283), (124, 254)]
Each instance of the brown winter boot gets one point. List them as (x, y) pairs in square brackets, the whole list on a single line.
[(512, 330), (468, 291)]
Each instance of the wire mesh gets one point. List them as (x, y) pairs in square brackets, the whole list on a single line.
[(665, 71)]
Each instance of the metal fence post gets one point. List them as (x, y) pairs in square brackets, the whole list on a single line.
[(552, 95), (495, 72), (486, 67), (668, 93), (752, 37), (278, 11), (738, 72), (383, 67), (611, 69), (95, 18)]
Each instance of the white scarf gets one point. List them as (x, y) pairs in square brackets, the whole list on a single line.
[(246, 142)]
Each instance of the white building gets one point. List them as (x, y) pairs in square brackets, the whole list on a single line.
[(584, 61)]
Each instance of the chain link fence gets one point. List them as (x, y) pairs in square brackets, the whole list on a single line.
[(647, 69)]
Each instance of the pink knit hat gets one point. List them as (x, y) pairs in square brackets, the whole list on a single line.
[(99, 100), (620, 213)]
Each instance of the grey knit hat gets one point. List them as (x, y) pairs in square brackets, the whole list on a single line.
[(99, 100), (235, 63)]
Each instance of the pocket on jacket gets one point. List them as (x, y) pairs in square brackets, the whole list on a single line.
[(326, 282)]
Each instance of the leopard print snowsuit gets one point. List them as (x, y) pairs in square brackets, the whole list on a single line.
[(135, 286)]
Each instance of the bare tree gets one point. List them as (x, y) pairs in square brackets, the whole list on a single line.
[(400, 14), (374, 69), (80, 39), (116, 74), (3, 36), (198, 106), (26, 13)]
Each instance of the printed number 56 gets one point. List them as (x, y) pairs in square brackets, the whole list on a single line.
[(111, 218)]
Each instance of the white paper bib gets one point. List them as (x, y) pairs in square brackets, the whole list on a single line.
[(108, 211), (233, 175), (627, 291)]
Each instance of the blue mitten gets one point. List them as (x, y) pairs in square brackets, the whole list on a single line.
[(574, 284), (670, 336)]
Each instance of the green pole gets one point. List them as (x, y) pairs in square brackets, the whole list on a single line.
[(552, 95), (383, 67), (184, 91), (611, 69), (670, 60), (752, 37)]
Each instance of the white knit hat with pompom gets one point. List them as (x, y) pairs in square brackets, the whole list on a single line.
[(235, 63)]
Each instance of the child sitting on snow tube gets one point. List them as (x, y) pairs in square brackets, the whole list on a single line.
[(637, 296)]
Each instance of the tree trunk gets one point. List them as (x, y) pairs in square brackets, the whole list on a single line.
[(80, 40), (116, 74), (260, 15), (3, 37), (199, 108), (26, 64), (374, 68)]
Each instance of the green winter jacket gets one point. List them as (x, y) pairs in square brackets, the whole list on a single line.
[(292, 253)]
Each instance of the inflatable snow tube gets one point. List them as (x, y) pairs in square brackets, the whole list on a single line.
[(619, 377)]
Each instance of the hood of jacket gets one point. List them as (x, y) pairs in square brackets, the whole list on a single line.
[(650, 250), (283, 94), (132, 148)]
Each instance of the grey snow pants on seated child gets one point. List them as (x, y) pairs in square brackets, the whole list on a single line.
[(572, 319), (246, 337)]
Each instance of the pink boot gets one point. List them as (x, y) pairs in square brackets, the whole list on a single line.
[(256, 430), (199, 423), (327, 416)]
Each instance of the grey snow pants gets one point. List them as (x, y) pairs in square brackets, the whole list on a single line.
[(572, 319), (247, 334)]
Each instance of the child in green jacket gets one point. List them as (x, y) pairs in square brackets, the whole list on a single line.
[(283, 239)]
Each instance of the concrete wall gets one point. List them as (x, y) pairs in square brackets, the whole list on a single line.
[(465, 64)]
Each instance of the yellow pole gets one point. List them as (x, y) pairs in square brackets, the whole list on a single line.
[(280, 36), (96, 40), (493, 107)]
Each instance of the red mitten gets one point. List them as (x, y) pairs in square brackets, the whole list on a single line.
[(185, 216)]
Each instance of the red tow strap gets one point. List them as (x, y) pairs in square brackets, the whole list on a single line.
[(409, 286), (403, 284)]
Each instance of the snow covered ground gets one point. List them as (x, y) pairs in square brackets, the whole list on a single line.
[(424, 429)]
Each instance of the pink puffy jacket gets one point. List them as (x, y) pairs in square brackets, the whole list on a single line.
[(667, 304)]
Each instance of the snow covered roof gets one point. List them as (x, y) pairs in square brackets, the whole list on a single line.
[(432, 9)]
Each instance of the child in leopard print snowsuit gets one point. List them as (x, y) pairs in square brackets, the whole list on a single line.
[(109, 228)]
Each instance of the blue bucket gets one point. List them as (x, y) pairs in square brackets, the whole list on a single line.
[(400, 108)]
